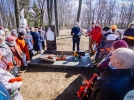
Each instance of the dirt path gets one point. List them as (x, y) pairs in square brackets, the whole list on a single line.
[(54, 84)]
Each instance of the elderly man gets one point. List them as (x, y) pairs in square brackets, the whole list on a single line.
[(116, 82)]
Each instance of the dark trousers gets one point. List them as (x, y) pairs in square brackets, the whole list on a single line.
[(76, 40), (43, 45), (31, 54)]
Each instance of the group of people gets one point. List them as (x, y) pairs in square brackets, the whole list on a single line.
[(113, 51), (16, 48)]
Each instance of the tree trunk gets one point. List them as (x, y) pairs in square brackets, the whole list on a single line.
[(17, 13), (49, 11), (79, 10), (56, 17)]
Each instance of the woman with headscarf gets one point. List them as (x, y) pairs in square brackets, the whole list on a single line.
[(7, 53), (22, 44), (17, 53)]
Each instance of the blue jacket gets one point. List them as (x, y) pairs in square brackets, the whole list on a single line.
[(76, 31), (29, 41), (37, 41), (4, 95)]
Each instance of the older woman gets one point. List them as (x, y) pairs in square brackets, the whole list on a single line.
[(7, 53), (22, 44), (10, 41), (14, 33), (11, 83)]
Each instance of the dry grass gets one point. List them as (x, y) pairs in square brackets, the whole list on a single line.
[(54, 84)]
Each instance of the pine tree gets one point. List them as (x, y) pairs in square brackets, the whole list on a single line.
[(37, 16)]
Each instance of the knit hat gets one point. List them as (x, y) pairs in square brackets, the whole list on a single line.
[(0, 52), (106, 28), (113, 27), (21, 33), (2, 32), (119, 43), (10, 38)]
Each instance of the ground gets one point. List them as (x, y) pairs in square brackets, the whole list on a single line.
[(41, 83)]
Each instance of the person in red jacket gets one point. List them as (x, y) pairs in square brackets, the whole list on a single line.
[(95, 33)]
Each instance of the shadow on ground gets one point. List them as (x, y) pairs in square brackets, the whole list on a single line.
[(69, 92)]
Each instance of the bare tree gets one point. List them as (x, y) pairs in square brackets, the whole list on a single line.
[(79, 10), (41, 6), (56, 18), (49, 10)]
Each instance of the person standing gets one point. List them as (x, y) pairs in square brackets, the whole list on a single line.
[(42, 35), (76, 33), (88, 31), (29, 41), (95, 33), (37, 41)]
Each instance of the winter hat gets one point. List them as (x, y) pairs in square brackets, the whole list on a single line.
[(2, 32), (0, 52), (21, 33), (2, 38), (113, 27), (10, 38), (106, 28), (119, 43)]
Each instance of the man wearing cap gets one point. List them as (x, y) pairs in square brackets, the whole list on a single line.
[(116, 82)]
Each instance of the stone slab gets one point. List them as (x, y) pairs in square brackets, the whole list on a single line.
[(85, 62), (64, 52)]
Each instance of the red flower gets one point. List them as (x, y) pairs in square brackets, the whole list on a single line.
[(10, 64), (15, 58), (108, 49), (102, 50)]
